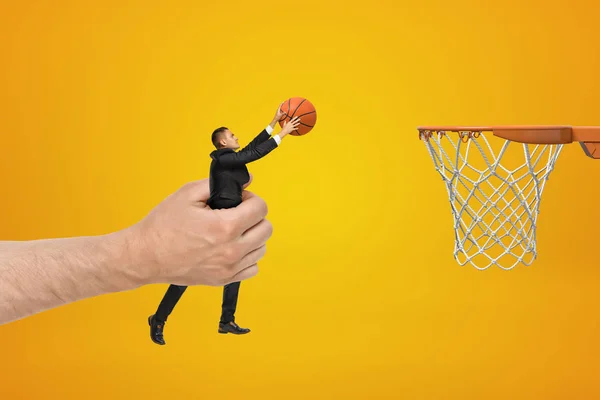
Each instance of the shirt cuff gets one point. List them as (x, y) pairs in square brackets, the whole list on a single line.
[(269, 129), (277, 139)]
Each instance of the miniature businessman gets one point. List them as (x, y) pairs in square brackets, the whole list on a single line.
[(228, 175)]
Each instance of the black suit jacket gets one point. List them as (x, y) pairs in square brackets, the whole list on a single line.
[(228, 171)]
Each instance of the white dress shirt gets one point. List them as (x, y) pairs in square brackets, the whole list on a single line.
[(276, 137)]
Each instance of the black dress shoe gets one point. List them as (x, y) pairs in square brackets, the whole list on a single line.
[(232, 327), (156, 330)]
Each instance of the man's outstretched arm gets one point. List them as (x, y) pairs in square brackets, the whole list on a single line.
[(262, 137), (181, 241), (250, 154), (265, 134)]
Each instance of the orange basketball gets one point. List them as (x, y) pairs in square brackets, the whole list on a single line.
[(299, 107)]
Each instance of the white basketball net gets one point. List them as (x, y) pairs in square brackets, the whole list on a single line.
[(495, 208)]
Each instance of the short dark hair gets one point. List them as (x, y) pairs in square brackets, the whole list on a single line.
[(216, 136)]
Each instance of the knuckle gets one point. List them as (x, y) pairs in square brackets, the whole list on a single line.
[(231, 255), (263, 250), (252, 271), (227, 230), (269, 228), (262, 206)]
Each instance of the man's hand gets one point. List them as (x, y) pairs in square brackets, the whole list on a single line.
[(184, 242), (279, 115), (289, 126)]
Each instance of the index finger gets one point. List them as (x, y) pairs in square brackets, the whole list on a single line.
[(198, 190), (250, 212)]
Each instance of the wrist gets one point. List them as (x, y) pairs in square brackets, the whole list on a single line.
[(132, 261)]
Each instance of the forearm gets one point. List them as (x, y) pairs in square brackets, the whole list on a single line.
[(42, 274), (273, 123)]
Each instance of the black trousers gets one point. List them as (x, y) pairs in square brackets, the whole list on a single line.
[(230, 291)]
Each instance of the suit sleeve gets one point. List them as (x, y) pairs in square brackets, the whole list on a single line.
[(248, 154), (262, 137)]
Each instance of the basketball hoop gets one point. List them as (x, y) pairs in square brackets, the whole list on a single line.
[(496, 206)]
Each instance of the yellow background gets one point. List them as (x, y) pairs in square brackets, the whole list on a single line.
[(107, 107)]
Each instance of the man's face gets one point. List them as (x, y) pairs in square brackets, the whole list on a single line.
[(229, 141)]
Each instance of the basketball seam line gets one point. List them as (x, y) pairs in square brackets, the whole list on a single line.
[(297, 107), (310, 112)]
